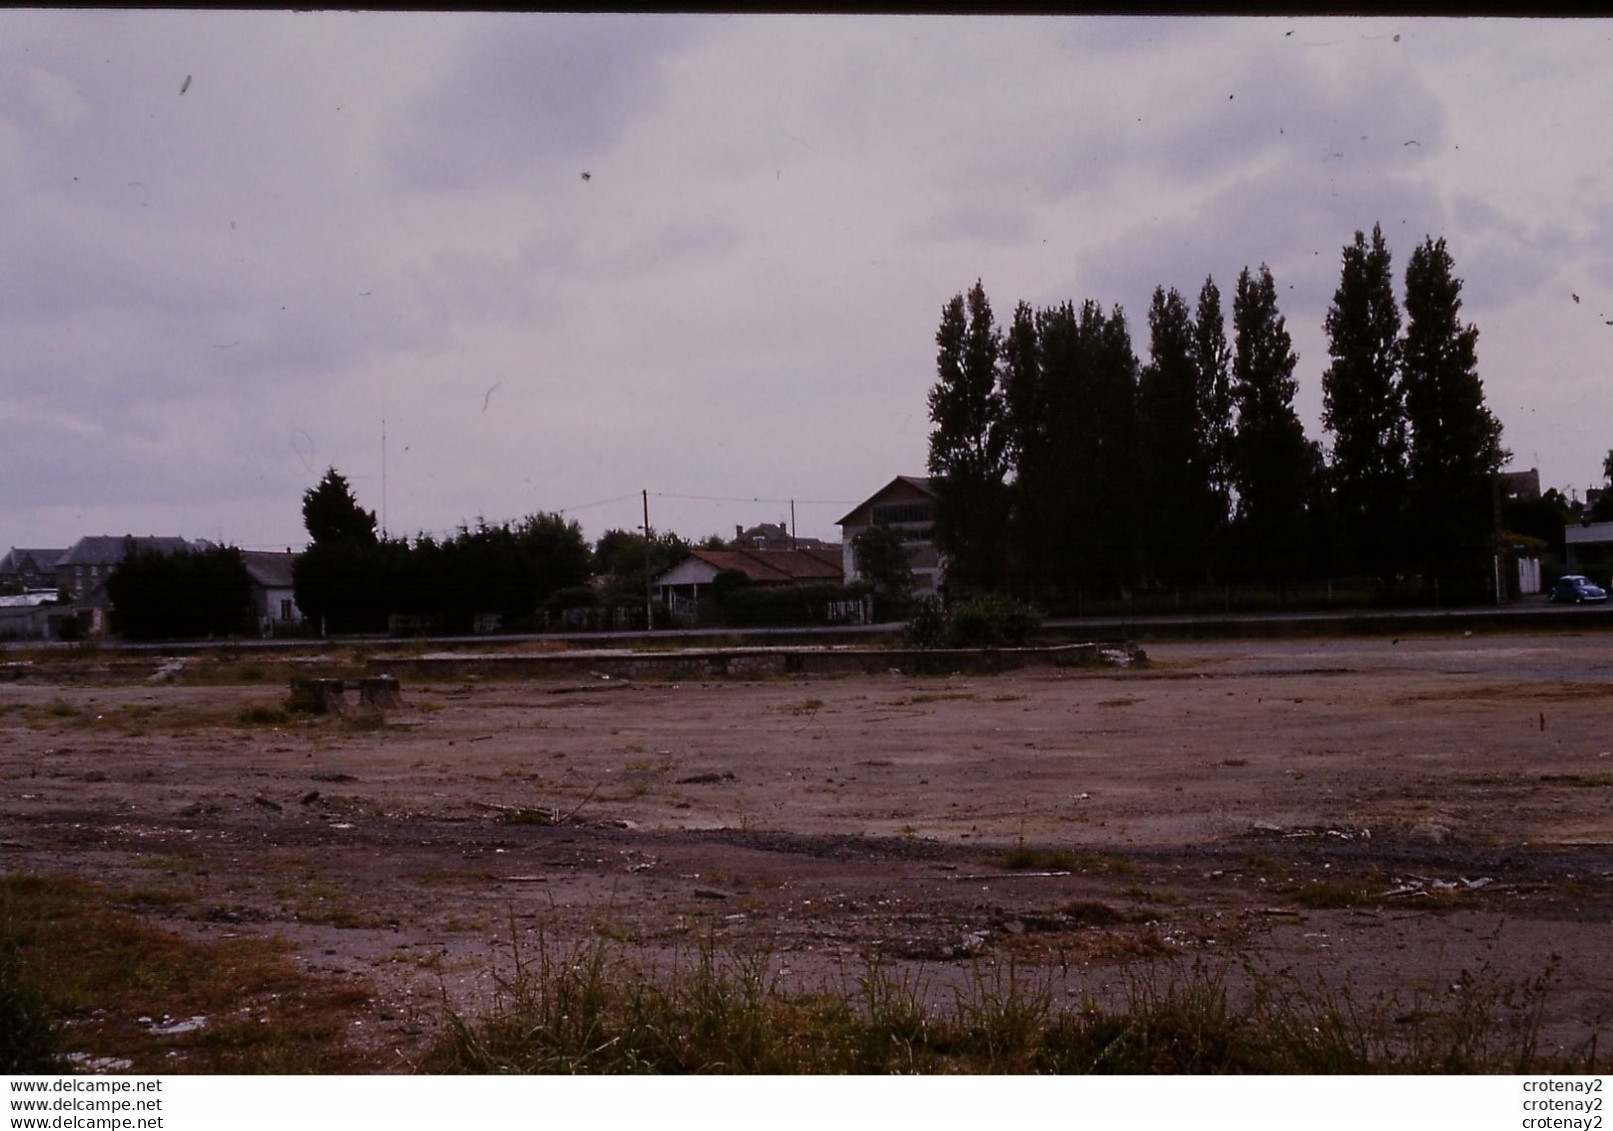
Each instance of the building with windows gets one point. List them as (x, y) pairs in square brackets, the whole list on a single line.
[(1589, 547), (25, 570), (907, 504), (274, 602)]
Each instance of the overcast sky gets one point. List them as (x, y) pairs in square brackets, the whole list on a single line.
[(570, 258)]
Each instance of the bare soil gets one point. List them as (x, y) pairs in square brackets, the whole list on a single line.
[(1387, 814)]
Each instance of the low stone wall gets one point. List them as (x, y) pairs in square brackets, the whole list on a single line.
[(752, 662)]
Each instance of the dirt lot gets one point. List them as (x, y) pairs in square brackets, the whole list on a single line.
[(1387, 813)]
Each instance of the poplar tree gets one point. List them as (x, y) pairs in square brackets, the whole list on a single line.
[(1273, 464), (1212, 359), (1455, 442), (1176, 508), (1363, 408), (968, 443)]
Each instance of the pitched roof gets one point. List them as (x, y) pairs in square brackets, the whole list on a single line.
[(270, 568), (17, 559), (108, 549), (923, 484), (776, 567)]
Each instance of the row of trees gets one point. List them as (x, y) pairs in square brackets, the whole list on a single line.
[(1065, 465), (532, 573), (188, 593), (352, 580)]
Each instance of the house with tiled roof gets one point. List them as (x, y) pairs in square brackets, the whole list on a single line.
[(274, 600), (906, 504), (22, 570), (774, 536), (760, 567), (682, 587)]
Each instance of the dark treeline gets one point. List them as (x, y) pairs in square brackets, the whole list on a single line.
[(1067, 467), (351, 580), (190, 593)]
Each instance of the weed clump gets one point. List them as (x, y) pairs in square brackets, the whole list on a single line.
[(988, 621), (76, 961), (260, 714), (590, 1009)]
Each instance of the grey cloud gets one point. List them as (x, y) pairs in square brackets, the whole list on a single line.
[(1598, 247), (528, 91), (1289, 219), (977, 218)]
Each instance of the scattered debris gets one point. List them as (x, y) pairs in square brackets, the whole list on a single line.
[(172, 1028), (1422, 886), (167, 672), (1011, 876)]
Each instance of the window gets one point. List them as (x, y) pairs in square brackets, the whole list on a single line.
[(887, 513), (285, 609)]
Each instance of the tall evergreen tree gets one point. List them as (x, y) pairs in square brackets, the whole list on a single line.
[(1071, 386), (332, 514), (1363, 408), (1176, 510), (343, 581), (1602, 509), (1213, 360), (1026, 421), (1455, 442), (968, 453), (1273, 463)]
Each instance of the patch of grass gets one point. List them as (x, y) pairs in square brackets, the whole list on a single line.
[(263, 715), (1323, 895), (1579, 781), (1074, 916), (705, 778), (78, 967), (1024, 858), (342, 917), (592, 1009), (1103, 862)]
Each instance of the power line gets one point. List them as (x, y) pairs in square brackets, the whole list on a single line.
[(600, 503), (756, 499)]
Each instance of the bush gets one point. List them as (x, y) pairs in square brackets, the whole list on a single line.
[(926, 624), (990, 621), (29, 1037), (783, 605), (185, 594)]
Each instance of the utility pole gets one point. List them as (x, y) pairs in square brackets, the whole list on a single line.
[(792, 524), (649, 607)]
